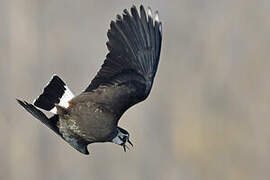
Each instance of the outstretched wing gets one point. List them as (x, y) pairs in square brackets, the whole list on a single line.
[(51, 123), (127, 75)]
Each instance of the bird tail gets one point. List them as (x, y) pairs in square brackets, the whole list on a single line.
[(56, 92)]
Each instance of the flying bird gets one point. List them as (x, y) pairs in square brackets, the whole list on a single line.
[(125, 79)]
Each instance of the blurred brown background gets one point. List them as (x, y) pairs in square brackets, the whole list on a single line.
[(207, 116)]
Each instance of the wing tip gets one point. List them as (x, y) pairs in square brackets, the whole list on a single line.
[(154, 16), (20, 102), (157, 17), (149, 11)]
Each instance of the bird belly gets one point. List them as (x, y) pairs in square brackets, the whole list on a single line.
[(89, 121)]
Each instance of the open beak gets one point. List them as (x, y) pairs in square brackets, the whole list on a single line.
[(125, 147), (130, 142)]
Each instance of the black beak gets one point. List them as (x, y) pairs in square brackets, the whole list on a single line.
[(130, 142), (125, 147)]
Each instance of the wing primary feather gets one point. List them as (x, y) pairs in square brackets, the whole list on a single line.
[(137, 18), (131, 26), (134, 46), (125, 39)]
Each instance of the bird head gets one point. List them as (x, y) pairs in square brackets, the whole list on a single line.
[(121, 138)]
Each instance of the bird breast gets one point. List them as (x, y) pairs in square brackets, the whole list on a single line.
[(90, 121)]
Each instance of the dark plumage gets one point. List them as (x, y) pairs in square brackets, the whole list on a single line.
[(125, 78)]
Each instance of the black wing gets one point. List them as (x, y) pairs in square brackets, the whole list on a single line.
[(131, 64), (81, 145), (49, 122)]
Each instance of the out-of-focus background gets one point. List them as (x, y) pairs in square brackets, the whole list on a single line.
[(207, 117)]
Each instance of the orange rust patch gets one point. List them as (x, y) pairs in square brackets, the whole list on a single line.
[(70, 104)]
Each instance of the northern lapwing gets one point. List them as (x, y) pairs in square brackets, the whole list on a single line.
[(125, 78)]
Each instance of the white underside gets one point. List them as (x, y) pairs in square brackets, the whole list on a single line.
[(117, 140)]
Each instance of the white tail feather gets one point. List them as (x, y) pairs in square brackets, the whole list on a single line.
[(55, 92), (67, 96)]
